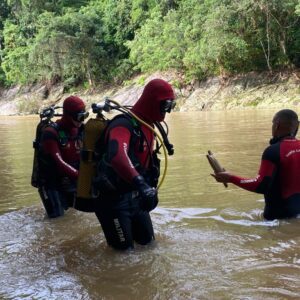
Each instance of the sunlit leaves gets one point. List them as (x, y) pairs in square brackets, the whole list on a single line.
[(87, 41)]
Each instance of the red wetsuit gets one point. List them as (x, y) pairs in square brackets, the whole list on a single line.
[(63, 152), (129, 155), (278, 179), (123, 154), (59, 159)]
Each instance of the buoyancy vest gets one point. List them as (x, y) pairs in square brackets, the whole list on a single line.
[(106, 179), (96, 176)]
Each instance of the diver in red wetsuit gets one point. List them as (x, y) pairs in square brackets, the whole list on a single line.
[(129, 170), (59, 158), (279, 174)]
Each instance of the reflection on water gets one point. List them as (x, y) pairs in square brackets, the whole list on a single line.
[(16, 136), (211, 242)]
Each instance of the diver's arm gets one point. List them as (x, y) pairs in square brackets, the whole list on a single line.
[(260, 183), (118, 147), (51, 147)]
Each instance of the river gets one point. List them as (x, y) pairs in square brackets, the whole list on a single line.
[(211, 241)]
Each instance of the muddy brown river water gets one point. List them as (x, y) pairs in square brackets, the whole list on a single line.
[(211, 242)]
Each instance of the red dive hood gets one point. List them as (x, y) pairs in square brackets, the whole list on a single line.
[(71, 105), (148, 105)]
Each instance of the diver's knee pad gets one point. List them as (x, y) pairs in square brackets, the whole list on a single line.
[(52, 201)]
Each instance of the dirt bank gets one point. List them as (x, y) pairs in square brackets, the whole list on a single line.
[(252, 90)]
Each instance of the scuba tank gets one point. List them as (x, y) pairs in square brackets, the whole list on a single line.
[(45, 120), (93, 130)]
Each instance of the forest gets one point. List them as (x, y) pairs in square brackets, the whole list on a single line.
[(87, 42)]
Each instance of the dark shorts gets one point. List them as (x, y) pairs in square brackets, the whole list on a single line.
[(285, 208), (56, 201), (123, 222)]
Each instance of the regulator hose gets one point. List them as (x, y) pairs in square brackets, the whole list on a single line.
[(156, 134)]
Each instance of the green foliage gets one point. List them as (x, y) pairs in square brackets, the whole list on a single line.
[(162, 49), (2, 77), (28, 106), (141, 81), (67, 46), (140, 11), (208, 55), (4, 13), (298, 8), (15, 58), (19, 7), (216, 37), (82, 42)]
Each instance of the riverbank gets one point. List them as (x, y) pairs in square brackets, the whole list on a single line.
[(252, 90)]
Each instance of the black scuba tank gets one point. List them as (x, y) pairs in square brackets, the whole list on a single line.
[(35, 182), (45, 120)]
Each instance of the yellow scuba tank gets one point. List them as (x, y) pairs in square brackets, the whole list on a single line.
[(92, 132)]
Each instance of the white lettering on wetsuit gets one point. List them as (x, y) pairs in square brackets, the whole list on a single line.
[(292, 152), (119, 230), (125, 151), (250, 180)]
